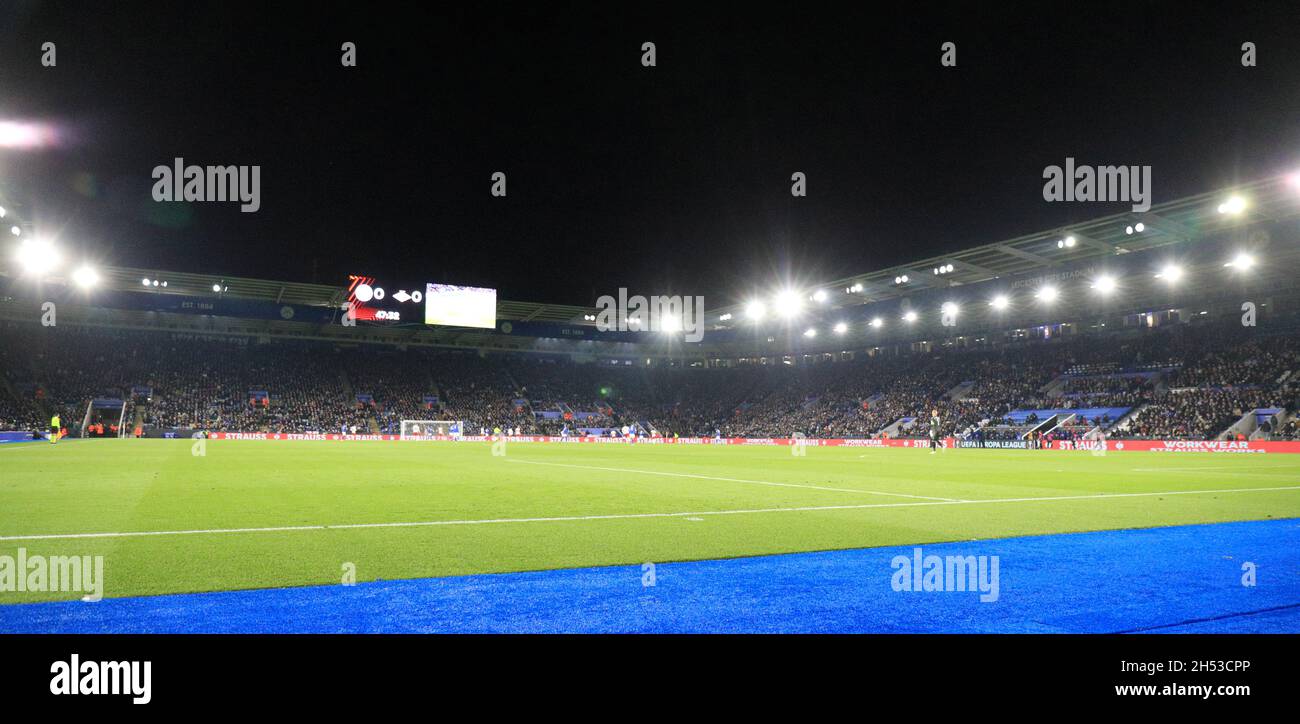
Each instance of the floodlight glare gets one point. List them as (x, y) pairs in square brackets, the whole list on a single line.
[(1242, 261), (15, 231), (755, 310), (819, 295), (1000, 302), (909, 316), (216, 287), (877, 322), (37, 256), (1047, 294), (85, 277), (949, 308), (670, 323), (1171, 273), (810, 333), (788, 303), (1104, 284), (1233, 206), (841, 328)]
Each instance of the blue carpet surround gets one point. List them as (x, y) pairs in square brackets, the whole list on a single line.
[(1160, 580)]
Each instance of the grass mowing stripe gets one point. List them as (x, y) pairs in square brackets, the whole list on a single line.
[(627, 516), (733, 480)]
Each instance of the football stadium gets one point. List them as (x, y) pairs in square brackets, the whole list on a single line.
[(675, 355), (976, 442)]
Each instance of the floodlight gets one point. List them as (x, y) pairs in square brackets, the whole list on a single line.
[(1171, 273), (85, 277), (755, 310), (1242, 261), (810, 333), (37, 256), (788, 303), (909, 316), (1233, 206), (1000, 302), (1047, 293), (1104, 284), (841, 328), (877, 322)]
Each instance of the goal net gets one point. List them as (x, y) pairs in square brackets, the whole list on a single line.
[(428, 429)]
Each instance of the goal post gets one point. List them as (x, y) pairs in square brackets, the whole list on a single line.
[(429, 429)]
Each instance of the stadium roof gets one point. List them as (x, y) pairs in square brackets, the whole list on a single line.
[(1184, 220), (186, 283), (1181, 221)]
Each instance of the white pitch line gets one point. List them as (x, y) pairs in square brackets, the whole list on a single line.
[(731, 480), (628, 516), (1236, 469)]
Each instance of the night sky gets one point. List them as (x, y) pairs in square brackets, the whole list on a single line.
[(672, 179)]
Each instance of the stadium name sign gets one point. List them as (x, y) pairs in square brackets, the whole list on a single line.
[(210, 183), (1057, 277), (651, 314), (1100, 183)]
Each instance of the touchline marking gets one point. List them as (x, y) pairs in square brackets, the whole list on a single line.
[(731, 480), (628, 516)]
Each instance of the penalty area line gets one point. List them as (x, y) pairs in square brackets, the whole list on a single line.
[(633, 516), (733, 480)]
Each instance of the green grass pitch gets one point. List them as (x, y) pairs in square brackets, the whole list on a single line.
[(253, 514)]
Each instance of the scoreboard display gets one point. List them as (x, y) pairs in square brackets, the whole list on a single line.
[(370, 301), (456, 306), (444, 304)]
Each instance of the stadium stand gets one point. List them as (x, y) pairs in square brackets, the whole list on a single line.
[(1205, 380)]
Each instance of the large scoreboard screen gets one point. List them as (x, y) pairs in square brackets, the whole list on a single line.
[(447, 305), (370, 301), (457, 306)]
